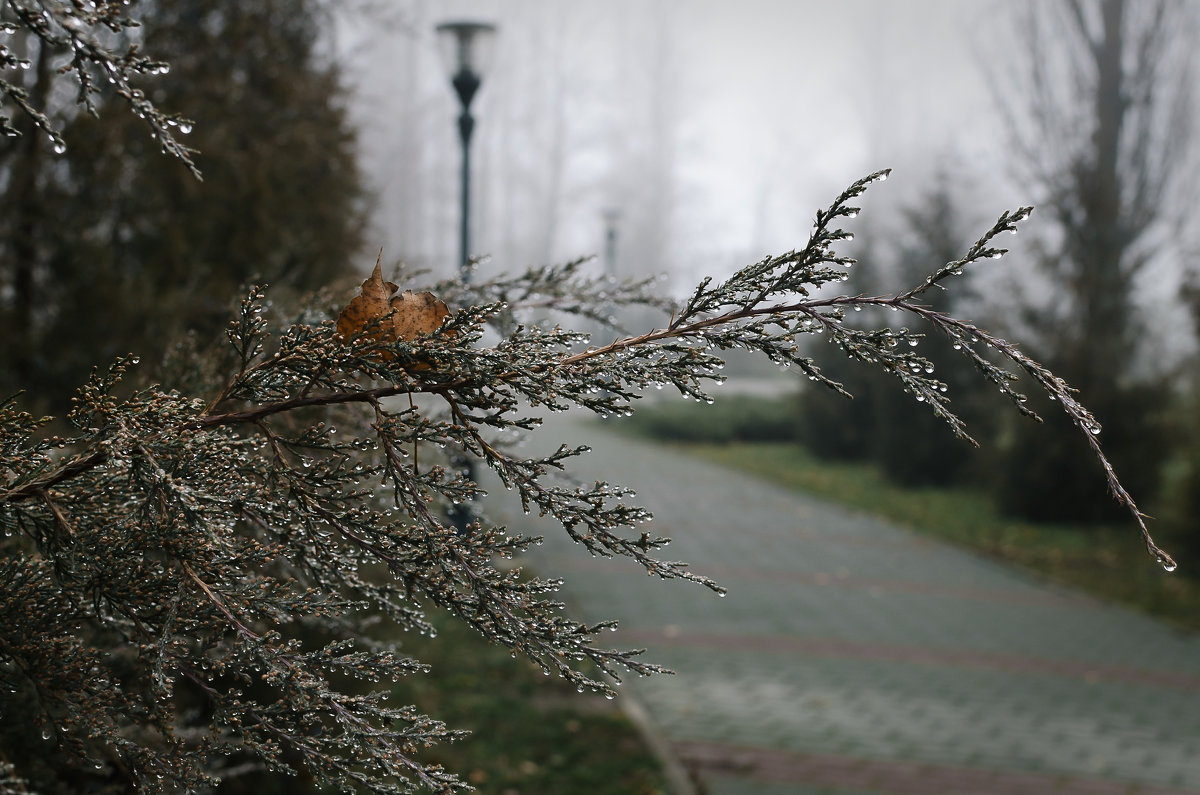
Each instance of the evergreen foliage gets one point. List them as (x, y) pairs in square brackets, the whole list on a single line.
[(909, 442), (99, 53), (909, 445), (831, 426), (169, 561), (111, 223), (192, 570)]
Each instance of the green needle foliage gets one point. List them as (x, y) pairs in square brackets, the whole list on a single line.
[(190, 578), (100, 56)]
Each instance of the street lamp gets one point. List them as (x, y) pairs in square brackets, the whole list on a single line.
[(612, 217), (466, 48)]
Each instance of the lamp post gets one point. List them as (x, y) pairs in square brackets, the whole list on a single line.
[(611, 216), (465, 49)]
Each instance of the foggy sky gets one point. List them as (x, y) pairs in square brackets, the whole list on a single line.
[(779, 104), (798, 98)]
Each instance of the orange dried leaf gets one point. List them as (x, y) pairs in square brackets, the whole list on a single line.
[(417, 314), (370, 304), (399, 317)]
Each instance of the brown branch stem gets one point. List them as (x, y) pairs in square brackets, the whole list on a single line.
[(67, 471), (212, 597)]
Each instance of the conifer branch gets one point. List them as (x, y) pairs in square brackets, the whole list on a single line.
[(205, 532), (82, 36)]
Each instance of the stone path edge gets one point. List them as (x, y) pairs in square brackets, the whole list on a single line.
[(676, 773), (897, 777)]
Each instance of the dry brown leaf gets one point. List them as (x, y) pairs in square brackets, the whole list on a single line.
[(417, 314), (400, 317)]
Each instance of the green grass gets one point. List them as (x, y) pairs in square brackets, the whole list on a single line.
[(531, 733), (745, 418), (1109, 562)]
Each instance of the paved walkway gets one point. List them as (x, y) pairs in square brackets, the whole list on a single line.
[(853, 656)]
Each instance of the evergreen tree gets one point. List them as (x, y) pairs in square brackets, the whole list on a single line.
[(842, 424), (1182, 502), (904, 437), (910, 443), (128, 242)]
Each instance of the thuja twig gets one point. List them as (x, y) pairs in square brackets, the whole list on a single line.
[(272, 518)]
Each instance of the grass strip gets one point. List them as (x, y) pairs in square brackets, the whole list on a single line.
[(531, 734)]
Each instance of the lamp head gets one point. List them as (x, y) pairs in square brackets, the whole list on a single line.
[(466, 46)]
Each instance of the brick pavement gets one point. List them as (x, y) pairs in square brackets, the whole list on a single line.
[(854, 656)]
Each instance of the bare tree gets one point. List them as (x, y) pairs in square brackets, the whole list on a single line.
[(1106, 123), (1100, 111)]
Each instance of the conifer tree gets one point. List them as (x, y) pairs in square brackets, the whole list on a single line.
[(909, 445), (265, 110)]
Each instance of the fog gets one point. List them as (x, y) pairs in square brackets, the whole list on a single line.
[(712, 131), (717, 129)]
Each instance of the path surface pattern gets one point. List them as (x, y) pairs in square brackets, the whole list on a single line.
[(853, 656)]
